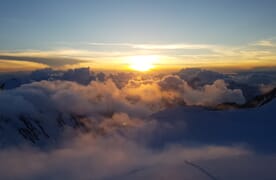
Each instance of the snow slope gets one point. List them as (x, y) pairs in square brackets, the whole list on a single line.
[(254, 127)]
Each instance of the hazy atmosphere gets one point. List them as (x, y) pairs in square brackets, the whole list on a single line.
[(137, 89)]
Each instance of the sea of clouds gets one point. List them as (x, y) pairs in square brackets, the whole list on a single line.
[(101, 126)]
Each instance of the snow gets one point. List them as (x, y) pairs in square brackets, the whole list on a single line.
[(254, 127)]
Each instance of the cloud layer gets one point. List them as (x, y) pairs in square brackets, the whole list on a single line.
[(112, 158), (257, 54), (77, 124)]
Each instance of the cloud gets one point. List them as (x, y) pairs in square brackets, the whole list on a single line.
[(50, 61), (208, 95), (245, 56), (200, 55), (79, 75), (116, 157), (214, 94), (75, 99), (126, 91), (119, 157), (79, 128), (157, 46), (9, 66), (265, 43), (173, 46), (197, 77)]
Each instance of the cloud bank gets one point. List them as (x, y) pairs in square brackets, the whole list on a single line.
[(112, 158), (78, 124)]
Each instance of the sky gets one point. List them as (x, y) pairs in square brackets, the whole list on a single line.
[(109, 34)]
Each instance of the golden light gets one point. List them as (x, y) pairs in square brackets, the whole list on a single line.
[(142, 63)]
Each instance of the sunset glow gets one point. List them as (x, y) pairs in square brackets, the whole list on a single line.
[(142, 63)]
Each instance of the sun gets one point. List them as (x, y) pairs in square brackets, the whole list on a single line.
[(142, 63)]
